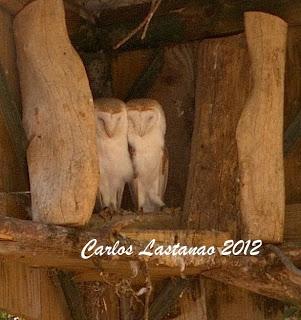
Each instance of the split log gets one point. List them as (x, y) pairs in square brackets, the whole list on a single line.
[(60, 247), (226, 302), (223, 82), (57, 115), (213, 198), (30, 293), (25, 291), (13, 177), (291, 111), (260, 131)]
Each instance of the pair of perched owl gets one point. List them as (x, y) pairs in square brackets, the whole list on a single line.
[(131, 149)]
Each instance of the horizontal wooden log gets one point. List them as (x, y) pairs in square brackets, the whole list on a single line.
[(180, 21), (54, 246), (168, 220), (14, 6)]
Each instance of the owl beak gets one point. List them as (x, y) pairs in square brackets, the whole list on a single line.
[(142, 127), (109, 129), (141, 131)]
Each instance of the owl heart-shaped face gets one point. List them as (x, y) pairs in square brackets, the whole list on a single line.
[(111, 117), (141, 122), (110, 123)]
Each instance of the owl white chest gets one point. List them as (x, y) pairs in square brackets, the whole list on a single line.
[(114, 159), (148, 154)]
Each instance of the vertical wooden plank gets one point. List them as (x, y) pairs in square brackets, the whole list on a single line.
[(226, 302), (127, 67), (24, 291), (30, 293), (292, 161), (58, 117), (223, 82), (213, 196), (260, 131), (12, 177)]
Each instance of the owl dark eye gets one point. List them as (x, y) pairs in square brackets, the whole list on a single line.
[(100, 119)]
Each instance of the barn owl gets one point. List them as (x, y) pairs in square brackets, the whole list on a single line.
[(146, 136), (113, 154)]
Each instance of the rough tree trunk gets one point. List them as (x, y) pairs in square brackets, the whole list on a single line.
[(57, 115), (260, 131), (213, 197), (24, 291)]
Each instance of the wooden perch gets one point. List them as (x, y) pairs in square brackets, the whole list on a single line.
[(58, 117), (54, 246), (260, 131)]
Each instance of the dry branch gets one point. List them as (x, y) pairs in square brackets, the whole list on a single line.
[(143, 25), (60, 247)]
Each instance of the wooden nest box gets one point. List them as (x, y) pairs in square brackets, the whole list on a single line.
[(228, 102)]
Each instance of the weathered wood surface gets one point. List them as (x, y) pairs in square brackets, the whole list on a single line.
[(180, 21), (73, 240), (101, 301), (24, 291), (30, 293), (15, 205), (192, 302), (226, 302), (14, 6), (12, 174), (26, 241), (213, 197), (127, 67), (260, 131), (223, 83), (292, 108), (57, 115)]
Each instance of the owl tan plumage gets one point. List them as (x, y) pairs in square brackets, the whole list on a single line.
[(113, 155), (146, 136)]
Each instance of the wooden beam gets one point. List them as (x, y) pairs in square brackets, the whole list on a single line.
[(212, 198), (60, 247), (61, 133), (15, 6), (259, 131), (180, 21)]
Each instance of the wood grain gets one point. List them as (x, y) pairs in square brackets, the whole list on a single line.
[(260, 131), (223, 83), (58, 117)]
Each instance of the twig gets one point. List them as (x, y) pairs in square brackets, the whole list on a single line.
[(144, 24), (149, 288), (154, 8), (285, 260)]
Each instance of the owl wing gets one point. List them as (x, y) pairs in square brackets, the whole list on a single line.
[(163, 173), (133, 185), (119, 197)]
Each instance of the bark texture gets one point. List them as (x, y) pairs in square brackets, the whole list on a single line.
[(223, 83), (57, 115), (260, 131)]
